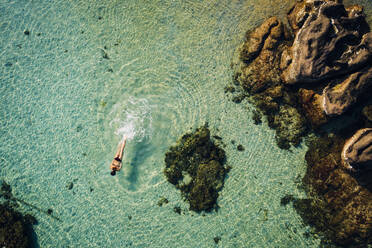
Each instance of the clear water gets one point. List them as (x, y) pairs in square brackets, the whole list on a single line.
[(64, 108)]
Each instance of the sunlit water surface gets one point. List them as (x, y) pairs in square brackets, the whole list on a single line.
[(91, 71)]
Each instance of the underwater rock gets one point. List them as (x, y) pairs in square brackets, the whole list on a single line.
[(311, 105), (340, 207), (260, 55), (367, 112), (162, 201), (339, 98), (15, 229), (330, 41), (240, 148), (195, 166), (289, 126), (357, 151)]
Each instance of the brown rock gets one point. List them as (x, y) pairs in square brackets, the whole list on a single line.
[(330, 41), (338, 99), (367, 112), (261, 56), (298, 14), (311, 104), (345, 213), (357, 151)]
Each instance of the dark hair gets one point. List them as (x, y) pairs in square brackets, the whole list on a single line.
[(113, 173)]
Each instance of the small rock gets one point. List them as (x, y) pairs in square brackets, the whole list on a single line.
[(70, 186), (177, 210), (49, 211), (79, 128), (8, 64), (26, 32), (162, 201), (240, 148), (217, 239)]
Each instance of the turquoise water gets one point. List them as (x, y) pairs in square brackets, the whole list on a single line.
[(91, 71)]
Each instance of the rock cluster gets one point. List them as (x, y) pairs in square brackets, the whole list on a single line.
[(341, 205), (195, 166), (309, 77)]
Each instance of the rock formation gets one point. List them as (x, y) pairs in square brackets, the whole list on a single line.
[(357, 151), (330, 41), (195, 166), (341, 207), (317, 79), (339, 98), (261, 57)]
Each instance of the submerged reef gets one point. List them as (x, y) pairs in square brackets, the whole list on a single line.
[(195, 165), (340, 203), (315, 77), (15, 228)]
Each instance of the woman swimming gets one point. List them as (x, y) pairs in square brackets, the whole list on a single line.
[(116, 163)]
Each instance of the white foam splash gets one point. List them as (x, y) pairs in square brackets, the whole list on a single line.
[(132, 119)]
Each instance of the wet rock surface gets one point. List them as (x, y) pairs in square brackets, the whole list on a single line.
[(339, 98), (195, 165), (324, 86), (357, 151), (330, 41), (261, 50)]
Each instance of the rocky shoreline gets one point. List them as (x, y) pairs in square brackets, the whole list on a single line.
[(315, 76)]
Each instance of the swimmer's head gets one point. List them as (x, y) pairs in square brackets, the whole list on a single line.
[(113, 173)]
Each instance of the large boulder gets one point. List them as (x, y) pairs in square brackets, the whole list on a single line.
[(329, 41), (339, 98), (357, 151), (260, 55)]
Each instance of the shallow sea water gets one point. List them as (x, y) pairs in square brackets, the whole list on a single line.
[(91, 71)]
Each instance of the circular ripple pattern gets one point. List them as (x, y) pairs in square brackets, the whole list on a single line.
[(88, 69)]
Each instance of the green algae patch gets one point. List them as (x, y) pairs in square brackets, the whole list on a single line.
[(195, 165)]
